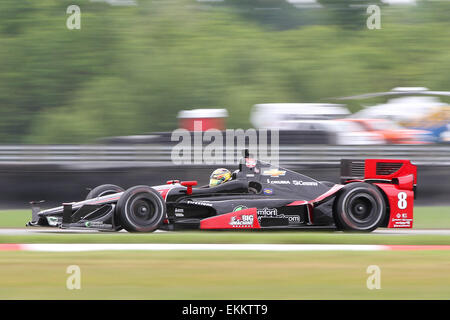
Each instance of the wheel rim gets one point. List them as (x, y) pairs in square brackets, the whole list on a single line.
[(362, 209), (142, 210)]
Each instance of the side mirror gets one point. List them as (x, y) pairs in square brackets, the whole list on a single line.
[(188, 185)]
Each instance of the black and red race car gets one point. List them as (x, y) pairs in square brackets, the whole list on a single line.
[(373, 193)]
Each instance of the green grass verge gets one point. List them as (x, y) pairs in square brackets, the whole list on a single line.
[(432, 217), (14, 218), (225, 275)]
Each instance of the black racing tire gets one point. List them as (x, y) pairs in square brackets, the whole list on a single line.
[(359, 207), (103, 190), (141, 209)]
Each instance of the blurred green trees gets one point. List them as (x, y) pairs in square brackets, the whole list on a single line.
[(130, 69)]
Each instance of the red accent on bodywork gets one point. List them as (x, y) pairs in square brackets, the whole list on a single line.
[(163, 193), (298, 203), (370, 171), (406, 182), (233, 220), (398, 218), (330, 192), (164, 189), (188, 185), (353, 180)]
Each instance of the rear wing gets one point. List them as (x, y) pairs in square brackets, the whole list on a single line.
[(401, 172)]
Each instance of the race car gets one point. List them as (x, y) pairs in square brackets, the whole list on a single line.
[(373, 193)]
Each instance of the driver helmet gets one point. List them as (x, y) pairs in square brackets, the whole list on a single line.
[(219, 176)]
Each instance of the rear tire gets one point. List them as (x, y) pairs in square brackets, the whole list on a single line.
[(103, 190), (359, 207), (141, 209)]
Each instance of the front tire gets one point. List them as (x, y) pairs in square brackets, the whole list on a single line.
[(360, 207), (141, 209), (103, 190)]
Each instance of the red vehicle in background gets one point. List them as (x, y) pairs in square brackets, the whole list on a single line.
[(392, 132)]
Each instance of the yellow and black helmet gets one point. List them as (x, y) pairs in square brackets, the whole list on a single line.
[(219, 176)]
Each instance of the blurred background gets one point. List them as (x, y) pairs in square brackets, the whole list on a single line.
[(84, 107)]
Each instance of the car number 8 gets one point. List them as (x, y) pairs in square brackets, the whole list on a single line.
[(402, 203)]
